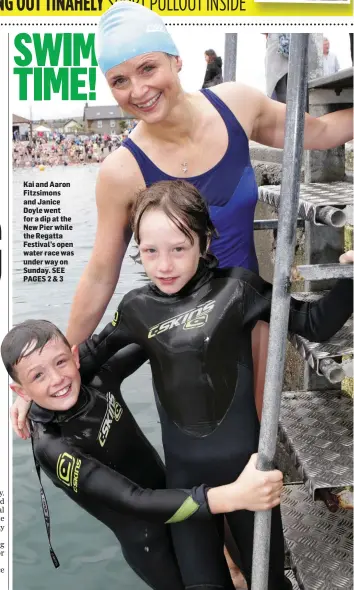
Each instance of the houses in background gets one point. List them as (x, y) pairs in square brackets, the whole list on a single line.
[(20, 127), (110, 120), (105, 119)]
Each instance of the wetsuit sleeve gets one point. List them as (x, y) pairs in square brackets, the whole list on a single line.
[(98, 349), (315, 320), (88, 482), (127, 361)]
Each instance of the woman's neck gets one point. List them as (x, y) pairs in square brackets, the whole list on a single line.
[(180, 125)]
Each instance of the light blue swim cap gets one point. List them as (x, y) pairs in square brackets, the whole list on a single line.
[(128, 29)]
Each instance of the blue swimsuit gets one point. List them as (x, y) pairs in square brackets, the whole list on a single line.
[(229, 188)]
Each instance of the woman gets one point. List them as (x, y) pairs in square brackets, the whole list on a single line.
[(213, 74), (194, 321), (172, 140)]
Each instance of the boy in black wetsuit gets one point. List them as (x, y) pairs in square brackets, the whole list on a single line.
[(88, 443), (194, 321)]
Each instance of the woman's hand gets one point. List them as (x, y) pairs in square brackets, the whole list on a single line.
[(18, 415)]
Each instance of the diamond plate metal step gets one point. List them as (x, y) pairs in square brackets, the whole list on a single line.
[(313, 198), (320, 543), (318, 355), (290, 575), (316, 428)]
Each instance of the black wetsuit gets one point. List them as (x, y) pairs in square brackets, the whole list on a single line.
[(95, 451), (199, 345)]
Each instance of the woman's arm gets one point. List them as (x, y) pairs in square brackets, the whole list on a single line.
[(115, 190), (320, 133), (263, 119)]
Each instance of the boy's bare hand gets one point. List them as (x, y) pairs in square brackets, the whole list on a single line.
[(258, 490), (253, 490), (18, 415), (347, 257)]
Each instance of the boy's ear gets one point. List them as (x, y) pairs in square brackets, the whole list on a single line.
[(75, 353), (18, 389)]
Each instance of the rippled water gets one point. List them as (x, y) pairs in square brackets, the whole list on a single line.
[(89, 554)]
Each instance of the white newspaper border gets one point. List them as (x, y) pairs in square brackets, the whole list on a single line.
[(14, 25)]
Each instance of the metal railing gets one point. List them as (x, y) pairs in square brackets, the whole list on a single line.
[(288, 214)]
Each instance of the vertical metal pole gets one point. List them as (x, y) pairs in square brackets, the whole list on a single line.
[(230, 57), (290, 187)]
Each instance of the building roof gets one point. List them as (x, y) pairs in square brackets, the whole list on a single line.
[(71, 121), (104, 112), (16, 119)]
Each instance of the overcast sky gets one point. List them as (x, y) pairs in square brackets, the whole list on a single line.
[(250, 69)]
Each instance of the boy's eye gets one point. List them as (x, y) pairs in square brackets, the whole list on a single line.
[(37, 376), (61, 361), (148, 69), (179, 249)]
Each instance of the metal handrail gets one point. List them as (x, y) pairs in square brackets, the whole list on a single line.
[(288, 211), (319, 272)]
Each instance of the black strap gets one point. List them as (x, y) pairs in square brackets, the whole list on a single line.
[(45, 509)]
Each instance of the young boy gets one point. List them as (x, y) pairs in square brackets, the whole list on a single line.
[(195, 321), (88, 443)]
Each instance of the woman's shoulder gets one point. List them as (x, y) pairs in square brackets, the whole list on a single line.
[(244, 102), (120, 172)]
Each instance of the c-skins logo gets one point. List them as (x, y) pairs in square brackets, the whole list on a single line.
[(113, 412), (68, 468), (194, 318)]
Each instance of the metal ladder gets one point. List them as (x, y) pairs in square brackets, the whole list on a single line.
[(316, 424)]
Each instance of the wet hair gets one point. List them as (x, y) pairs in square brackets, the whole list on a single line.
[(184, 206), (211, 53), (16, 344)]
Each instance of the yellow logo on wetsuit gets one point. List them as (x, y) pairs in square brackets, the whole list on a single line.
[(68, 468), (195, 318), (113, 412), (115, 319)]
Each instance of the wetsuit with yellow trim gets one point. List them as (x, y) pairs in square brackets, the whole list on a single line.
[(199, 345), (97, 454)]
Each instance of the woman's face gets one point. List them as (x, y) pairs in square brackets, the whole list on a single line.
[(146, 86), (169, 258)]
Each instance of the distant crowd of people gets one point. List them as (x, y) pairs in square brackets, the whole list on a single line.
[(58, 150)]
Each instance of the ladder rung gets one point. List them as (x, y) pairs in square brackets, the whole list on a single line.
[(272, 223), (318, 272)]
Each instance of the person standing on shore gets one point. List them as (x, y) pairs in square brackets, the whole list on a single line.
[(330, 60), (213, 74)]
